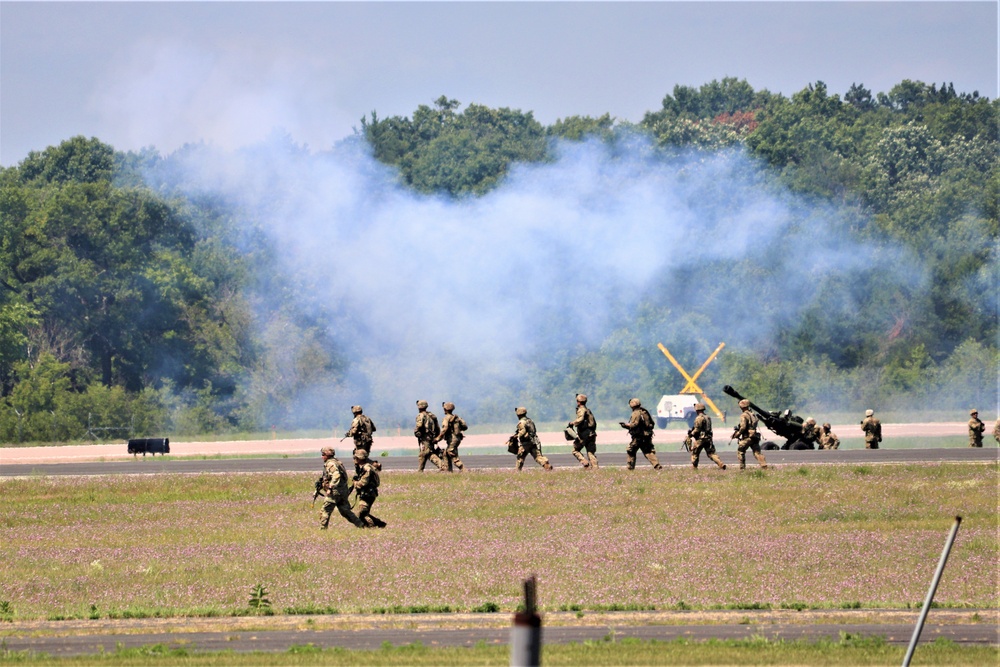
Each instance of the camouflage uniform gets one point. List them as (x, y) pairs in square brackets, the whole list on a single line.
[(640, 428), (366, 486), (976, 429), (828, 439), (361, 430), (873, 430), (333, 485), (426, 430), (528, 442), (810, 433), (749, 437), (452, 433), (586, 433), (702, 439), (996, 432)]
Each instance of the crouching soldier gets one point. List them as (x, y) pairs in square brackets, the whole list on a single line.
[(333, 485), (640, 428), (366, 483), (827, 438)]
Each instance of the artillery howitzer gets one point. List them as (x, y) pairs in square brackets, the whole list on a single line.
[(783, 424)]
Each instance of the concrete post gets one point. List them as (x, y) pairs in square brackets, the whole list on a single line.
[(526, 635)]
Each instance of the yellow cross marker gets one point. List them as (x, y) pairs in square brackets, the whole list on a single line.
[(692, 387)]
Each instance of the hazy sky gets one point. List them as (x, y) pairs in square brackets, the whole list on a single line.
[(138, 74)]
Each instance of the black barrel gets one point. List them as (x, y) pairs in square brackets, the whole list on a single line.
[(149, 446)]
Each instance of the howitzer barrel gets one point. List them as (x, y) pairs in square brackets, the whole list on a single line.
[(763, 414)]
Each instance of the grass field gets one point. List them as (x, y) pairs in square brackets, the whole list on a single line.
[(797, 537)]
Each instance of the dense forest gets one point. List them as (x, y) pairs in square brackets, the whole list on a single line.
[(137, 300)]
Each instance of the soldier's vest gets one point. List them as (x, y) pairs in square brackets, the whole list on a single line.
[(589, 424)]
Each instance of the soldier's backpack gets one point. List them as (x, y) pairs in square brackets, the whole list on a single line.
[(647, 423), (462, 426), (591, 422)]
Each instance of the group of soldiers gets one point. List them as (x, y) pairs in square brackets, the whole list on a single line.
[(581, 431)]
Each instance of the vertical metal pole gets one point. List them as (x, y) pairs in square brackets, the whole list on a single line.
[(526, 635), (930, 593)]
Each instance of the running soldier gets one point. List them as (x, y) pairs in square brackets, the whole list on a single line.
[(526, 438), (333, 485), (827, 438), (976, 429), (873, 430), (749, 436), (586, 434), (702, 439), (427, 430), (452, 431), (366, 483), (361, 430), (640, 428)]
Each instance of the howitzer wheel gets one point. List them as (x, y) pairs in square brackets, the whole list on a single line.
[(769, 444)]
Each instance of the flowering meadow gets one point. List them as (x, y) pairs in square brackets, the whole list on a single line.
[(795, 537)]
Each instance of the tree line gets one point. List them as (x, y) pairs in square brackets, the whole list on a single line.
[(128, 304)]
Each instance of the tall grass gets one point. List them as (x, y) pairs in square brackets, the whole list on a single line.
[(820, 537)]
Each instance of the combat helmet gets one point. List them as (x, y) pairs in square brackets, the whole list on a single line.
[(521, 411), (634, 403), (360, 455), (744, 403), (581, 398), (699, 407), (327, 451), (356, 409), (869, 413), (973, 411), (448, 406), (422, 404)]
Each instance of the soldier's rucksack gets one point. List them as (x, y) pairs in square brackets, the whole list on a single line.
[(647, 423), (462, 426), (591, 422)]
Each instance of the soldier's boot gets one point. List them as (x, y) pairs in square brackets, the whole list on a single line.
[(379, 523), (581, 458), (520, 464), (654, 461), (547, 465), (742, 458), (459, 464), (761, 460), (718, 461), (630, 463), (694, 462), (593, 460)]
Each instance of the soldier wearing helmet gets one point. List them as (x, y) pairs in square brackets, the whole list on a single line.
[(996, 431), (810, 433), (702, 439), (427, 430), (361, 430), (366, 483), (452, 432), (527, 442), (872, 428), (976, 429), (586, 433), (333, 485), (748, 437), (640, 428), (827, 438)]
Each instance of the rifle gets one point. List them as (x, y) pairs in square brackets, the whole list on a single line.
[(319, 490)]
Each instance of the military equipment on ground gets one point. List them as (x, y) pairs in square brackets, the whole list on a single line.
[(783, 424), (570, 433), (676, 408), (151, 446)]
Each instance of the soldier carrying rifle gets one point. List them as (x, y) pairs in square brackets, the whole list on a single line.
[(332, 484)]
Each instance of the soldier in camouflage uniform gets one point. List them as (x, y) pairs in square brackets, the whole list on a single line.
[(976, 429), (427, 430), (527, 441), (749, 437), (872, 428), (361, 430), (366, 483), (586, 433), (640, 428), (333, 485), (827, 438), (452, 431), (996, 431), (810, 433), (702, 439)]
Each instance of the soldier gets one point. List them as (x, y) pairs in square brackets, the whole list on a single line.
[(640, 428), (361, 430), (873, 430), (452, 432), (827, 438), (749, 436), (586, 433), (810, 433), (996, 432), (426, 430), (366, 483), (527, 440), (333, 485), (976, 429), (701, 438)]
